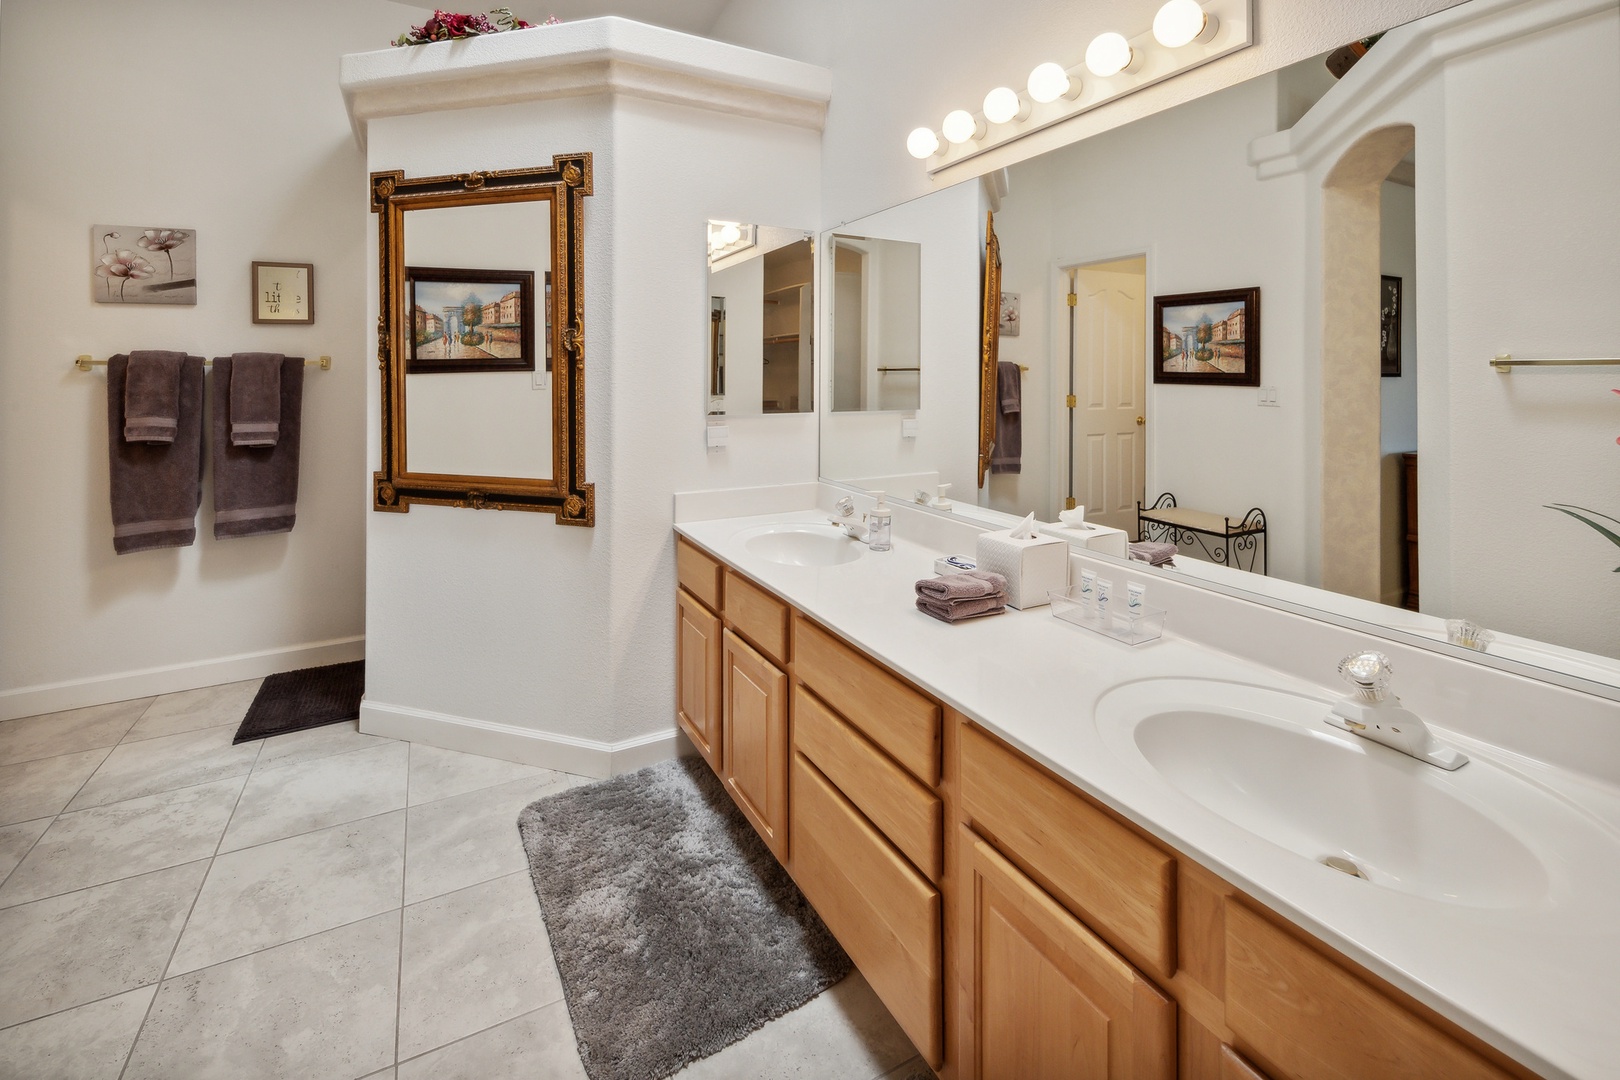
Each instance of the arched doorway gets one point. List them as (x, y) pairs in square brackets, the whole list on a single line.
[(1351, 252)]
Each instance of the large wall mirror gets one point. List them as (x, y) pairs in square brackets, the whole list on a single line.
[(761, 320), (481, 340), (1441, 204)]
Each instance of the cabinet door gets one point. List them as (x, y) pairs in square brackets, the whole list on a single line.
[(697, 668), (1050, 999), (755, 739)]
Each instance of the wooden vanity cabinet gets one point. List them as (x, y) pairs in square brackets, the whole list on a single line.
[(755, 734), (1014, 926)]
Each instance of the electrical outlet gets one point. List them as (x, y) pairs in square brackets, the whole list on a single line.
[(1268, 396)]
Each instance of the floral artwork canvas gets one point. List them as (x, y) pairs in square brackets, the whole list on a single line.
[(137, 264)]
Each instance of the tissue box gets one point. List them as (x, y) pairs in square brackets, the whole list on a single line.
[(1032, 566), (1091, 538)]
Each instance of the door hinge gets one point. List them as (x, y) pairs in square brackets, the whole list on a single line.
[(1070, 401), (1072, 299)]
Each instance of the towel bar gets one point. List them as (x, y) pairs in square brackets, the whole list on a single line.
[(84, 362), (1506, 363)]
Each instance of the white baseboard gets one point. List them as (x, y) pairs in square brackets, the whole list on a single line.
[(149, 682), (544, 749)]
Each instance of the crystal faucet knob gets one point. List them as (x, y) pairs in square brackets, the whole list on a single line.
[(1368, 672)]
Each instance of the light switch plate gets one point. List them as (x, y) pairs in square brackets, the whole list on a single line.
[(908, 427), (1268, 396), (719, 437)]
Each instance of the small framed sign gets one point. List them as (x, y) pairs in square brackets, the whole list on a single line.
[(284, 293)]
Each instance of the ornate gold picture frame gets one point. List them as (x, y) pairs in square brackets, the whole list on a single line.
[(563, 184)]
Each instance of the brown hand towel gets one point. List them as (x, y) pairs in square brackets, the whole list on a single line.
[(1007, 455), (962, 586), (1154, 554), (255, 398), (155, 487), (152, 397), (256, 487), (956, 610)]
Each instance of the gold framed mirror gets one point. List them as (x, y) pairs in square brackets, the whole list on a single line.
[(989, 328), (481, 340)]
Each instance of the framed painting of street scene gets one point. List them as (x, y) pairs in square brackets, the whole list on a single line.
[(469, 320), (1207, 337)]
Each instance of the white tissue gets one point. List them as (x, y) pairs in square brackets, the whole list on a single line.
[(1074, 519), (1024, 530)]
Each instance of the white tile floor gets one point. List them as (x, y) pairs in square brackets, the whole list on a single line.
[(324, 904)]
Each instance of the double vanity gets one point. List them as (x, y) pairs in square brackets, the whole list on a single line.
[(1053, 854)]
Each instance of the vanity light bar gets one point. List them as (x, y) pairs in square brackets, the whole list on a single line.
[(1186, 34), (84, 362)]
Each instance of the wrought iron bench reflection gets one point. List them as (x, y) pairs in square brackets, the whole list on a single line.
[(1236, 544)]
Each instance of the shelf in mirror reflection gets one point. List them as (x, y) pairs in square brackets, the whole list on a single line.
[(1182, 187)]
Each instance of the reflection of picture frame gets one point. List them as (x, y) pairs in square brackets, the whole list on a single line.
[(469, 320), (548, 320), (132, 264), (1389, 327), (284, 293), (1210, 338), (1007, 323)]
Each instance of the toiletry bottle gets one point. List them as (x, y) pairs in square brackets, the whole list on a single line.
[(877, 526), (1134, 592)]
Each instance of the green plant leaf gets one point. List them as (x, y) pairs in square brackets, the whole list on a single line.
[(1579, 513)]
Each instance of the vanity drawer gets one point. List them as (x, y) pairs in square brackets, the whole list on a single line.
[(697, 573), (1306, 1018), (884, 914), (887, 710), (757, 616), (1123, 885), (908, 813)]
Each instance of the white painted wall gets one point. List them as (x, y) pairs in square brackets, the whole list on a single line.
[(560, 637), (900, 65), (205, 116)]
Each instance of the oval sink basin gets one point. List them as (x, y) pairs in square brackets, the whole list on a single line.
[(1265, 761), (803, 543)]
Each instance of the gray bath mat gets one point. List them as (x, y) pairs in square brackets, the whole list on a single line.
[(675, 929), (306, 698)]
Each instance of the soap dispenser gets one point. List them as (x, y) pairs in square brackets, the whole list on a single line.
[(877, 525)]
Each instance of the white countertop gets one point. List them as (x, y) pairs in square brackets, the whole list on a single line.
[(1540, 983)]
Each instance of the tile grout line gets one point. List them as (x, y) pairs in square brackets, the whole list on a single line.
[(481, 1031), (404, 876), (58, 815), (174, 948)]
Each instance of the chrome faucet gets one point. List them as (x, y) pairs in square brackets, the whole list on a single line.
[(1374, 713), (855, 530)]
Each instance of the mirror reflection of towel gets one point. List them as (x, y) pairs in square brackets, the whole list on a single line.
[(1007, 456)]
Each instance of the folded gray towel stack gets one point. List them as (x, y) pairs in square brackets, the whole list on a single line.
[(155, 487), (1152, 553), (255, 398), (954, 597), (152, 397), (256, 487)]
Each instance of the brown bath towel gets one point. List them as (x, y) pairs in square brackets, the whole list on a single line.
[(1007, 456), (957, 610), (152, 397), (256, 487), (155, 487), (255, 398), (964, 586)]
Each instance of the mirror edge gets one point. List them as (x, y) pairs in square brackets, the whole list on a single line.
[(989, 328), (567, 494)]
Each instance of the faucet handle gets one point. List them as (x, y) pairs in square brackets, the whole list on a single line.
[(845, 506), (1368, 672)]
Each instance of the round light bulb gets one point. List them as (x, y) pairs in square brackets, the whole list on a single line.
[(729, 234), (961, 126), (1048, 82), (1003, 104), (1182, 22), (1108, 54), (922, 143)]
